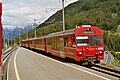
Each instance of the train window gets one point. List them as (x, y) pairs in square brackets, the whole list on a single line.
[(82, 40), (42, 41), (66, 41), (57, 44), (61, 44), (54, 43), (33, 42), (37, 42), (96, 40), (49, 41), (88, 32)]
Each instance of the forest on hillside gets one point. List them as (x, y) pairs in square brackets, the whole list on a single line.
[(102, 13)]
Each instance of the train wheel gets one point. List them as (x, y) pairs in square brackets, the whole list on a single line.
[(67, 59), (97, 61), (79, 62), (70, 60)]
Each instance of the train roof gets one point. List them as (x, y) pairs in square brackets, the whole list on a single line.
[(66, 32), (34, 38), (78, 29), (62, 33)]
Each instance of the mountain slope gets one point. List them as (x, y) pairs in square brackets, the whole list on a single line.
[(102, 13), (9, 33)]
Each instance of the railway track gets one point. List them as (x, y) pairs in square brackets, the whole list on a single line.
[(7, 50), (5, 58), (106, 70), (7, 54)]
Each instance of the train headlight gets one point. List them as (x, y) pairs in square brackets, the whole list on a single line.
[(80, 53), (88, 29), (100, 52)]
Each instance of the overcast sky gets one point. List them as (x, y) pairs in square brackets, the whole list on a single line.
[(22, 12)]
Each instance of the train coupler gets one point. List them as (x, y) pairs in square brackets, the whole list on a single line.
[(91, 61)]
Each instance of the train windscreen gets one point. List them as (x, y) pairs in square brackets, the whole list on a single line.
[(82, 40), (96, 40)]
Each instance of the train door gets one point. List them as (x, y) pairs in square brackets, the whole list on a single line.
[(34, 43), (45, 48), (61, 47)]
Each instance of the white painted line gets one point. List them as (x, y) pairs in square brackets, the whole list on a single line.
[(15, 66), (8, 68), (73, 67)]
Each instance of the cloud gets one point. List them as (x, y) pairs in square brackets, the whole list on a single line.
[(22, 12)]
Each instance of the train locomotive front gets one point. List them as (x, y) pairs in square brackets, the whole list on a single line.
[(89, 44)]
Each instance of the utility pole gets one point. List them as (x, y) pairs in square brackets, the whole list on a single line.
[(8, 40), (63, 15), (35, 27), (5, 41), (19, 36), (27, 30), (11, 37), (27, 34)]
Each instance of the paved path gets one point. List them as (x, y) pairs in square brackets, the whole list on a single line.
[(29, 65)]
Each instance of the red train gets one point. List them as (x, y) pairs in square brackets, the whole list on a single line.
[(83, 44)]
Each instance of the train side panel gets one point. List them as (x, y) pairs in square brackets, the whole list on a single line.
[(60, 46), (40, 44), (69, 48)]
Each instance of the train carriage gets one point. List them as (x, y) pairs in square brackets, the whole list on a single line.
[(33, 43), (40, 43), (58, 43), (84, 43), (26, 43)]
